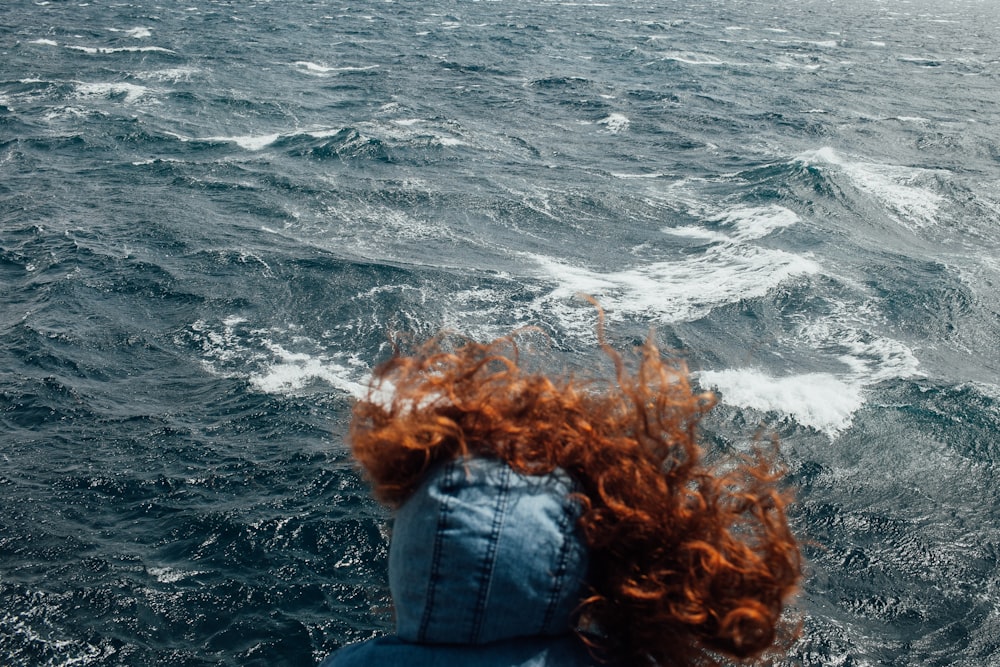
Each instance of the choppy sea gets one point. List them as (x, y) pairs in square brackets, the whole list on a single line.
[(215, 213)]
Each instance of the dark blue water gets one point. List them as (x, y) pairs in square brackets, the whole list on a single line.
[(214, 214)]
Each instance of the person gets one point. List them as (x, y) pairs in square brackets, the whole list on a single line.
[(564, 522)]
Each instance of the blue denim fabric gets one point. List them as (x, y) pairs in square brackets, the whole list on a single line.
[(486, 567)]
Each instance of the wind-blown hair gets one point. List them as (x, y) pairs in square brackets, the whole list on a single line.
[(690, 561)]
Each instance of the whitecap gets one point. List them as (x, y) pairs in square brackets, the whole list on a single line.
[(20, 629), (173, 74), (130, 91), (247, 142), (751, 223), (695, 232), (869, 358), (687, 289), (655, 174), (325, 133), (414, 130), (693, 59), (168, 575), (294, 371), (818, 400), (892, 185), (825, 401), (135, 33), (319, 70), (44, 42), (615, 123), (120, 49), (280, 361)]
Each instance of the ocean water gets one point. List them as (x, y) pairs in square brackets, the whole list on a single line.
[(215, 213)]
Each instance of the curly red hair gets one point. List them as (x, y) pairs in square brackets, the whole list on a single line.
[(689, 561)]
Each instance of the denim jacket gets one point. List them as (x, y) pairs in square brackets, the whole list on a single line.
[(485, 568)]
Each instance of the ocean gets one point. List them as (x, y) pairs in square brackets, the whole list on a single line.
[(215, 215)]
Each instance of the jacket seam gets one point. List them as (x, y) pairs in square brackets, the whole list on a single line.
[(559, 576), (435, 573), (489, 556)]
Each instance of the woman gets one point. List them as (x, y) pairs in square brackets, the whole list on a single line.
[(557, 521)]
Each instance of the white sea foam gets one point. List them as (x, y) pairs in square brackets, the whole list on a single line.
[(168, 575), (988, 389), (138, 32), (824, 401), (321, 70), (275, 361), (247, 142), (120, 49), (44, 42), (693, 58), (66, 112), (131, 92), (615, 123), (325, 133), (33, 630), (694, 232), (415, 130), (818, 400), (293, 372), (173, 74), (687, 289), (869, 358), (756, 223), (894, 186), (735, 267), (655, 174)]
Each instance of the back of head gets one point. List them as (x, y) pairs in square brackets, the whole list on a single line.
[(687, 560), (482, 553)]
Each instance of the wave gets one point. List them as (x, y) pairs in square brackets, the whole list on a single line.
[(121, 49), (899, 189), (615, 123), (690, 287), (825, 401), (821, 401), (139, 32), (129, 93), (370, 140), (316, 69)]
